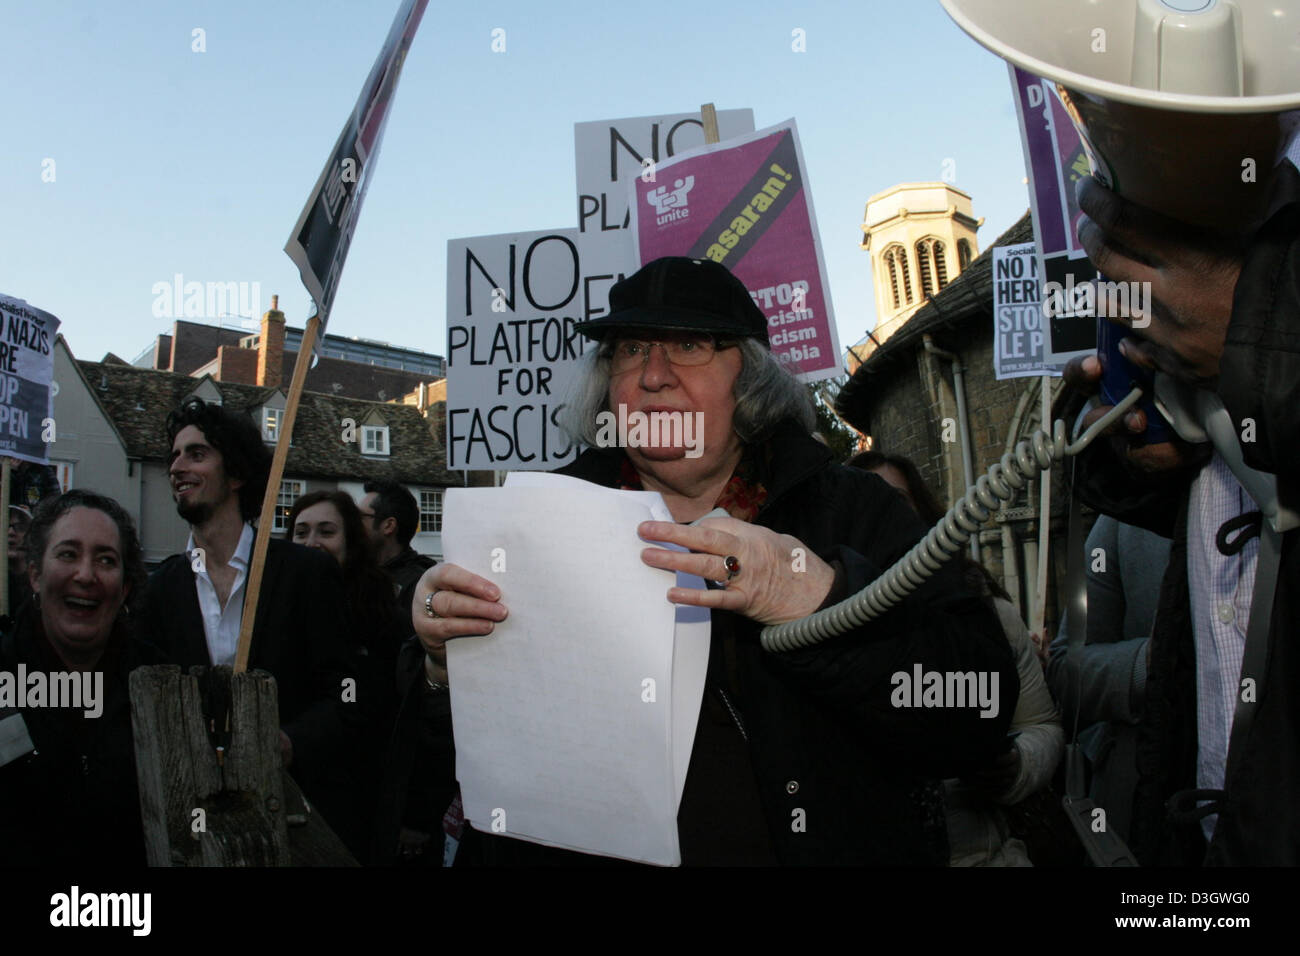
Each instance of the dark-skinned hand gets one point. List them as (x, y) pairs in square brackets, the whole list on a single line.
[(1192, 276), (1084, 374)]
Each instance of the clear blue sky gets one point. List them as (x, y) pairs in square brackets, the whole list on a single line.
[(170, 161)]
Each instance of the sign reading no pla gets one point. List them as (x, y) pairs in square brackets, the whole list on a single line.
[(609, 154)]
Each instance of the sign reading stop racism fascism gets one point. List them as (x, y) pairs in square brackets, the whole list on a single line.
[(513, 309), (745, 203)]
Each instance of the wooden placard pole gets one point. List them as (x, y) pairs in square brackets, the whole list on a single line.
[(710, 118), (252, 590), (4, 536), (1038, 623)]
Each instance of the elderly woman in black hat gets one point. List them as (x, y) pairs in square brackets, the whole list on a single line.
[(799, 757)]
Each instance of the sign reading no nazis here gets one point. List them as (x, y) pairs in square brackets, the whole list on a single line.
[(1019, 343), (26, 369), (514, 303)]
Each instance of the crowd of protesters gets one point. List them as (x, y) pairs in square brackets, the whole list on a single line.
[(1148, 698)]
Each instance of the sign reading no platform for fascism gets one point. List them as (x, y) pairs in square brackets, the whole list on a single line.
[(26, 371), (513, 309)]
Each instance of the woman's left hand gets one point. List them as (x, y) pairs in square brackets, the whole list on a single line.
[(780, 579)]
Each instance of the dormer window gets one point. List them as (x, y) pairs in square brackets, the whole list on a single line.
[(271, 418), (374, 440)]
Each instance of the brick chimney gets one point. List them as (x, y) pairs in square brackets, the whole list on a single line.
[(270, 346)]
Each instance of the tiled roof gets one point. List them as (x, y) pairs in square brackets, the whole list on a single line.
[(138, 400)]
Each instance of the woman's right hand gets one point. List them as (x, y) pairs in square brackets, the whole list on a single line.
[(464, 605)]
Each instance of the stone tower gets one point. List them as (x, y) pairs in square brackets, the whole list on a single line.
[(920, 236)]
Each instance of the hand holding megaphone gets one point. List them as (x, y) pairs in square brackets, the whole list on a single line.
[(1128, 436), (1191, 276)]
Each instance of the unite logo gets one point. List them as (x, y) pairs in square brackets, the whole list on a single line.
[(670, 204)]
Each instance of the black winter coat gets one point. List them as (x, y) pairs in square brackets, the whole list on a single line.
[(73, 800), (823, 735), (1259, 819), (300, 637)]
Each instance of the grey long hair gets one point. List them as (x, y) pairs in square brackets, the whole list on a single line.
[(765, 393)]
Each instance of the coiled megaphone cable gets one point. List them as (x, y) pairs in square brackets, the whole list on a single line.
[(947, 538)]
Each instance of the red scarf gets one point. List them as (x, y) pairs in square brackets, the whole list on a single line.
[(742, 497)]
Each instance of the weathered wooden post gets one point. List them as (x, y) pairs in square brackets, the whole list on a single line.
[(209, 796), (212, 788)]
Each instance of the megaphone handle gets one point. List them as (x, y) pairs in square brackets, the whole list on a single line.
[(1119, 376)]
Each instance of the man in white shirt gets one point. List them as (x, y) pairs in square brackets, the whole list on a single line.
[(1218, 762), (195, 600)]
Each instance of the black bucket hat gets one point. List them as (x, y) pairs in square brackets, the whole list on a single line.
[(679, 294)]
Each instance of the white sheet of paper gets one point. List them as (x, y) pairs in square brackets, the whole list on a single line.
[(691, 633), (554, 741)]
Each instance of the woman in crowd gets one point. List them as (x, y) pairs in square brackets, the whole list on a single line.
[(67, 770), (331, 521), (978, 830), (807, 735)]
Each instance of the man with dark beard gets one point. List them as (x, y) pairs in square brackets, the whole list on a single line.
[(195, 600)]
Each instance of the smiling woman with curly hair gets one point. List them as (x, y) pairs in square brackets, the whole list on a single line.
[(67, 781)]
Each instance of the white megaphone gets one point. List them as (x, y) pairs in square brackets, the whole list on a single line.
[(1185, 106)]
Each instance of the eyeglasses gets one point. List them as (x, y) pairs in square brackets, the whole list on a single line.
[(630, 354)]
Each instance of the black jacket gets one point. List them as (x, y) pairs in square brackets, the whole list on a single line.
[(419, 773), (405, 572), (823, 736), (298, 636), (73, 800), (1259, 821)]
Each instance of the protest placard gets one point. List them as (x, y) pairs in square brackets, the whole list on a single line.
[(514, 303), (608, 155), (26, 370), (1018, 340), (320, 240), (1055, 159), (745, 203)]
